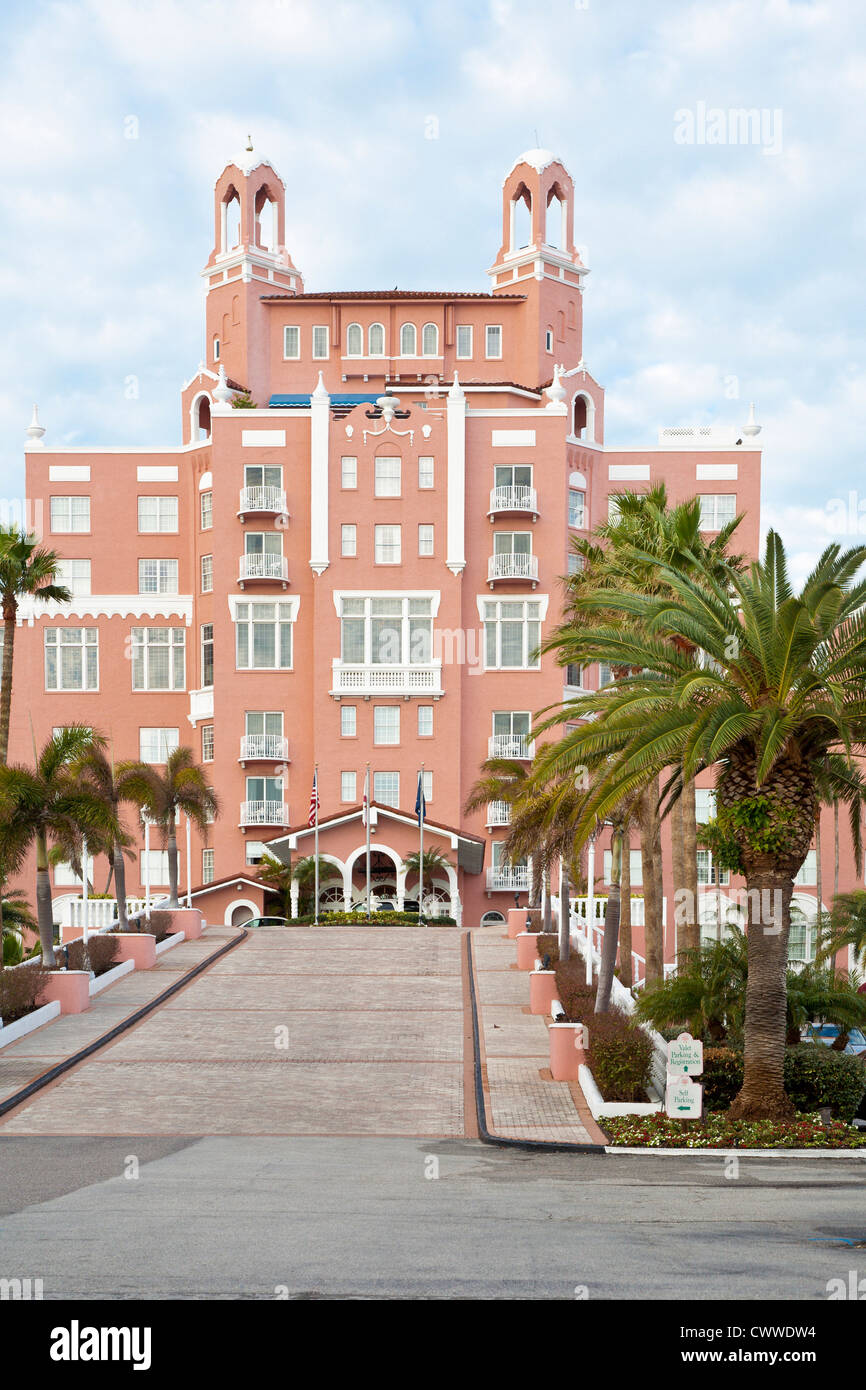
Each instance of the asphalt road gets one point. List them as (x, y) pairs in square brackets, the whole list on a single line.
[(375, 1218)]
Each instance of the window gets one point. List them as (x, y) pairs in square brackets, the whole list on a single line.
[(320, 341), (75, 575), (512, 632), (348, 786), (158, 658), (263, 636), (574, 676), (354, 340), (265, 789), (635, 863), (376, 340), (576, 507), (464, 340), (207, 744), (65, 876), (425, 471), (207, 574), (263, 555), (705, 804), (493, 340), (807, 874), (348, 721), (512, 554), (71, 658), (513, 475), (158, 513), (548, 340), (206, 654), (427, 782), (429, 340), (216, 349), (576, 563), (386, 631), (157, 576), (156, 861), (291, 341), (425, 539), (408, 340), (349, 472), (388, 472), (258, 475), (154, 745), (708, 873), (386, 788), (605, 674), (386, 723), (613, 507), (207, 866), (349, 539), (255, 851), (717, 510), (70, 514), (206, 511), (387, 545), (425, 721)]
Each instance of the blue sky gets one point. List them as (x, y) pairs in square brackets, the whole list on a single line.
[(717, 269)]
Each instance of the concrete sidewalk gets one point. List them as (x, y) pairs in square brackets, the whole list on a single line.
[(521, 1098)]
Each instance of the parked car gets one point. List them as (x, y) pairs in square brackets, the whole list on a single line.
[(267, 922), (828, 1032)]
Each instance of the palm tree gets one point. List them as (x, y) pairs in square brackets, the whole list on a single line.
[(17, 919), (847, 925), (182, 787), (115, 783), (304, 874), (435, 862), (277, 876), (778, 687), (45, 803), (26, 570), (822, 995), (707, 992)]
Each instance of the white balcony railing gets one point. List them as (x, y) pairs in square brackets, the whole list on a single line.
[(510, 746), (387, 680), (264, 813), (514, 499), (263, 746), (94, 913), (512, 565), (262, 499), (274, 567), (200, 704), (513, 880), (498, 813)]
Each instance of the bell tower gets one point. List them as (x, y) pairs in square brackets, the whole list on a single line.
[(249, 259), (538, 259)]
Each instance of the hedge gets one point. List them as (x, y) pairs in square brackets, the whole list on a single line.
[(99, 954), (620, 1054), (408, 919), (20, 989), (814, 1075)]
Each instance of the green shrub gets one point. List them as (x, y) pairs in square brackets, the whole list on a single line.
[(722, 1076), (574, 994), (405, 919), (815, 1076), (620, 1056), (99, 955), (20, 990)]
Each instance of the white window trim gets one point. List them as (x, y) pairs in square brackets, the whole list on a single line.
[(493, 356), (470, 329), (321, 356), (292, 356)]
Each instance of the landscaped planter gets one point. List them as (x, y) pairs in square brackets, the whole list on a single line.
[(599, 1107), (71, 988), (169, 941), (108, 977), (139, 947), (527, 950), (542, 991), (566, 1051), (188, 920), (68, 934), (35, 1019)]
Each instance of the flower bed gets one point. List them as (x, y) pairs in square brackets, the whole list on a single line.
[(402, 919), (718, 1132)]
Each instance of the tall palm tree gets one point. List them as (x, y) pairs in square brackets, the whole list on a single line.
[(117, 783), (49, 802), (26, 570), (180, 788), (779, 686), (277, 877)]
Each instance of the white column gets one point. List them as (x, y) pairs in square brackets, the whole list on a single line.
[(320, 424), (455, 547), (294, 890)]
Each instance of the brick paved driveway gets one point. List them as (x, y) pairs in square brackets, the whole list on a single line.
[(296, 1031)]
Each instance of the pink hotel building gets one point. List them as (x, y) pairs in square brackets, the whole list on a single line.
[(329, 578)]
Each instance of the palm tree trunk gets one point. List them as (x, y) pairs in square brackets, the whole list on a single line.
[(819, 887), (172, 862), (625, 968), (649, 847), (120, 887), (763, 1092), (9, 609), (835, 849), (611, 925), (564, 914), (546, 901), (678, 865), (44, 914), (690, 865)]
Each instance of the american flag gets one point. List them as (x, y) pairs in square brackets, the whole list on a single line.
[(314, 801)]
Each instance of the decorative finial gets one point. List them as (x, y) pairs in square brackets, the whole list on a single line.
[(388, 404), (750, 427), (249, 144), (222, 391), (456, 392), (556, 390), (35, 431), (321, 391)]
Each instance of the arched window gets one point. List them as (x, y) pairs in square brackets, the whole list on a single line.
[(553, 231), (377, 340), (572, 316), (354, 340), (521, 218), (202, 418), (560, 325), (408, 341), (266, 224), (430, 340), (236, 308), (231, 220)]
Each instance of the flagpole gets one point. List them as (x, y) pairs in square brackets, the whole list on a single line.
[(188, 863), (316, 840), (367, 818), (421, 817)]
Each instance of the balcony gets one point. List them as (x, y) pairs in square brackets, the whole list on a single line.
[(508, 880), (512, 565), (264, 813), (263, 501), (518, 746), (498, 813), (266, 569), (387, 680), (263, 748), (513, 499), (200, 705)]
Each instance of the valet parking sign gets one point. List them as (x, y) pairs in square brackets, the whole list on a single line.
[(684, 1097)]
